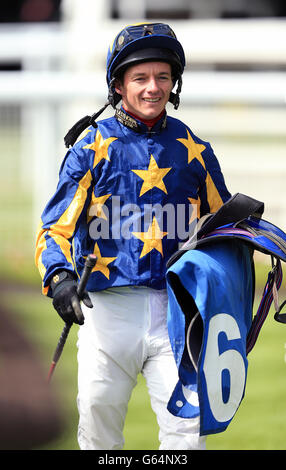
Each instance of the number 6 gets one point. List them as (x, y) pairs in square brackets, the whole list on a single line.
[(215, 363)]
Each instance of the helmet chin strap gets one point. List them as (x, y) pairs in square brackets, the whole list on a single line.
[(175, 97), (113, 97)]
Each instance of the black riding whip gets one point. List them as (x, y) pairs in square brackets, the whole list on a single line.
[(89, 264)]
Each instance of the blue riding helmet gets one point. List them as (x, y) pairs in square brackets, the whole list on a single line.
[(158, 38), (136, 44), (144, 43)]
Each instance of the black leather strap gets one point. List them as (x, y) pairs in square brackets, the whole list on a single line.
[(236, 209)]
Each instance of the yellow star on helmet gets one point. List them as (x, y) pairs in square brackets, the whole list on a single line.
[(100, 147), (152, 239), (153, 177), (102, 262), (194, 150)]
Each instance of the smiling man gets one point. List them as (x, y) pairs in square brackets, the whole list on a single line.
[(145, 89), (128, 191)]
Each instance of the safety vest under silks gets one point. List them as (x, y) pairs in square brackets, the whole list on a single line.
[(211, 288)]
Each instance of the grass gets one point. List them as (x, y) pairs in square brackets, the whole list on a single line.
[(260, 423), (36, 317)]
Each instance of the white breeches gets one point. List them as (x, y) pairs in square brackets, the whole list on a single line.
[(123, 335)]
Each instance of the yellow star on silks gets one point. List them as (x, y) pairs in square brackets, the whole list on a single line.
[(196, 212), (194, 150), (153, 177), (152, 239), (102, 262), (100, 147), (96, 206)]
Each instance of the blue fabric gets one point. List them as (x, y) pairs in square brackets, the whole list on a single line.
[(217, 281), (102, 204)]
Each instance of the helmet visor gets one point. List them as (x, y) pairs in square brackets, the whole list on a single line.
[(148, 55)]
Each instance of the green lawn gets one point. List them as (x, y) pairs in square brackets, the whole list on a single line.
[(260, 422), (41, 324)]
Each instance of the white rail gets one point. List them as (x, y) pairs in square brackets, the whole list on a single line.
[(207, 87), (252, 41)]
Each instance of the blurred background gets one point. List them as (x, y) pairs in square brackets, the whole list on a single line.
[(52, 72)]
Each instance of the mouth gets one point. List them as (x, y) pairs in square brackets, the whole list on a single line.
[(151, 100)]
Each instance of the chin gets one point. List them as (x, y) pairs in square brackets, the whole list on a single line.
[(152, 113)]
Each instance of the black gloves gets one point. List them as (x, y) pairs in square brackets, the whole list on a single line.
[(65, 298)]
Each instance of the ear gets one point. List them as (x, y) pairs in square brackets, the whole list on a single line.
[(118, 87)]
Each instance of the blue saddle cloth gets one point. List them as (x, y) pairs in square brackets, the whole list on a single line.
[(210, 291)]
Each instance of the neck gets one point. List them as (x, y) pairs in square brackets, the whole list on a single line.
[(148, 122)]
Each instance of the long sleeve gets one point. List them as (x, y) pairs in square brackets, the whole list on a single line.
[(213, 192), (61, 217)]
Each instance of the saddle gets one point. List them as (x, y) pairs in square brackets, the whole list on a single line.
[(241, 218)]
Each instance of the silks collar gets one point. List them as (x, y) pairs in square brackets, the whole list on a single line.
[(135, 124)]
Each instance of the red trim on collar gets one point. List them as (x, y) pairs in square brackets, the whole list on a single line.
[(148, 122)]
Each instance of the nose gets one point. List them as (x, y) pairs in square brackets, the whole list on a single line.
[(152, 85)]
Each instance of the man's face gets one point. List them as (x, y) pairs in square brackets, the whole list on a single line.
[(146, 89)]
